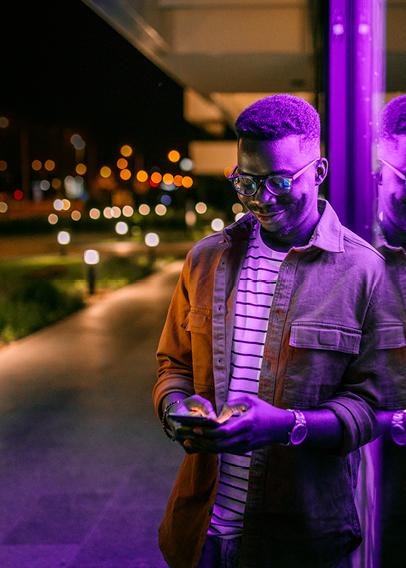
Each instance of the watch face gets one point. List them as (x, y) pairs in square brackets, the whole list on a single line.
[(399, 434), (299, 433)]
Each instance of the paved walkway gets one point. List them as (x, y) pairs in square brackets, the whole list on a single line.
[(85, 470)]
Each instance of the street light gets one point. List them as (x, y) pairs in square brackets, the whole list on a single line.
[(152, 241), (63, 239), (121, 228), (91, 258)]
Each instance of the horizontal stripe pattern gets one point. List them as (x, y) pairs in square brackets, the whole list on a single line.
[(253, 303)]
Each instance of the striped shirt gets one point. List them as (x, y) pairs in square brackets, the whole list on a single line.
[(256, 287)]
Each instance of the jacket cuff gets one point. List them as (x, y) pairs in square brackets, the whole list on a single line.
[(167, 386), (358, 419)]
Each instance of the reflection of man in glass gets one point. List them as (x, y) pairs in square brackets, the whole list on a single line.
[(390, 239), (272, 318)]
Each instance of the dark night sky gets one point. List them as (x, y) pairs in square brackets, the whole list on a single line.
[(63, 65)]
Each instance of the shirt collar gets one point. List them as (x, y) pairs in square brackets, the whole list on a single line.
[(327, 235), (380, 242)]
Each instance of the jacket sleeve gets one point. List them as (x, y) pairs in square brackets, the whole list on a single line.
[(356, 402), (174, 355)]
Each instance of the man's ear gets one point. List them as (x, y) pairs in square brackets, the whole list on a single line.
[(321, 171)]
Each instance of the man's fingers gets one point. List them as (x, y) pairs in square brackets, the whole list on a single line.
[(200, 405)]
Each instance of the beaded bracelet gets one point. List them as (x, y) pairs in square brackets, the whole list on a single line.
[(165, 428)]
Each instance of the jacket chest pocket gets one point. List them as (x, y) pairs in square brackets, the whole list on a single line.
[(317, 357), (198, 320), (325, 338)]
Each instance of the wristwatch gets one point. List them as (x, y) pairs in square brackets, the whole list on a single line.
[(299, 431), (398, 430)]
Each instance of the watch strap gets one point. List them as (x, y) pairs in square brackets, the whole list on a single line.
[(398, 429), (298, 432)]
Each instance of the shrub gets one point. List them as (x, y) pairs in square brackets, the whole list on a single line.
[(33, 305)]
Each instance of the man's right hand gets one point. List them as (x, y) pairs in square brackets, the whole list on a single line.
[(193, 405)]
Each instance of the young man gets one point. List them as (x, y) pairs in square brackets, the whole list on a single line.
[(390, 239), (275, 316)]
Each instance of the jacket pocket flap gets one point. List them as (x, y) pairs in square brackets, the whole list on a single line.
[(329, 338), (196, 321), (390, 336)]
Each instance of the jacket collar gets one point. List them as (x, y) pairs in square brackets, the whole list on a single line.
[(380, 242), (328, 234)]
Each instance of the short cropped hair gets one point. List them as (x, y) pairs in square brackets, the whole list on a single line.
[(278, 116), (393, 118)]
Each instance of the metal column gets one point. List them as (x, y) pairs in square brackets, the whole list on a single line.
[(356, 87)]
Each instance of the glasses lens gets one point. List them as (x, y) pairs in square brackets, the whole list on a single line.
[(245, 185), (278, 184)]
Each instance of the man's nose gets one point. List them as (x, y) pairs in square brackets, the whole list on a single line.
[(263, 195)]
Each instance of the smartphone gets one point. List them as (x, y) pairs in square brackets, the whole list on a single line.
[(194, 420)]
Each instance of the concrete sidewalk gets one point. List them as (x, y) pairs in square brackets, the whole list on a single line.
[(85, 468)]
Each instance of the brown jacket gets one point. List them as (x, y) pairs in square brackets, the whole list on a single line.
[(319, 353)]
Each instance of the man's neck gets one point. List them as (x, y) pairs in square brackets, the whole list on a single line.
[(394, 236), (284, 242)]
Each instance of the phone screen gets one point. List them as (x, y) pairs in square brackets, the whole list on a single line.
[(191, 420)]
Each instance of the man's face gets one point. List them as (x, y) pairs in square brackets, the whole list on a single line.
[(284, 214), (392, 190)]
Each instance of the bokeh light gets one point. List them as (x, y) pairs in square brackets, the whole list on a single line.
[(156, 177), (217, 224), (18, 195), (228, 171), (107, 213), (4, 122), (237, 208), (77, 142), (128, 211), (44, 185), (125, 174), (167, 179), (239, 215), (121, 228), (126, 150), (151, 239), (63, 238), (177, 180), (58, 205), (3, 207), (187, 182), (186, 164), (122, 163), (81, 169), (53, 219), (201, 207), (56, 183), (144, 209), (3, 165), (166, 199), (36, 165), (173, 156), (115, 212), (94, 213), (142, 176), (105, 172), (160, 209), (76, 215), (49, 165), (66, 204), (190, 218), (91, 256)]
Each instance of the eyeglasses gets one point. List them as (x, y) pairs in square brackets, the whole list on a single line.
[(248, 185), (400, 174)]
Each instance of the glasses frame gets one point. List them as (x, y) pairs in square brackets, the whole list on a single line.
[(263, 180), (400, 174)]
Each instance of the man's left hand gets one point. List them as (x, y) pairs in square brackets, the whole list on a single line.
[(260, 425)]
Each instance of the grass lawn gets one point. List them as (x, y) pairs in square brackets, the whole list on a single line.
[(40, 290)]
